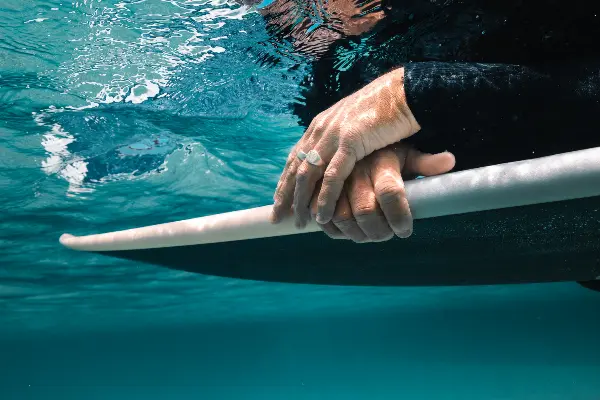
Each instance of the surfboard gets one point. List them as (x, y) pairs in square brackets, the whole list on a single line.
[(529, 221)]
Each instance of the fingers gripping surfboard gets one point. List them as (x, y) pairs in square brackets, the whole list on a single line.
[(522, 222)]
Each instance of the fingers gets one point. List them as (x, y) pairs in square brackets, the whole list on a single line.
[(338, 170), (365, 208), (390, 193), (329, 228), (343, 225), (344, 220), (418, 163), (284, 192), (306, 180)]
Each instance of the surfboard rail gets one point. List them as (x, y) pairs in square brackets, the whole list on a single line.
[(530, 221), (560, 177)]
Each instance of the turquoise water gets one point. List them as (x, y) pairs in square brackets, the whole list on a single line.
[(120, 114)]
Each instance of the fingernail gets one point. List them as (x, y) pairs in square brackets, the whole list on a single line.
[(404, 234), (321, 219)]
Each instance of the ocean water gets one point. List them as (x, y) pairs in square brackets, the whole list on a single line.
[(117, 114)]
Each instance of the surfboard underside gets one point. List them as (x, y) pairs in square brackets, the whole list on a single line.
[(549, 242)]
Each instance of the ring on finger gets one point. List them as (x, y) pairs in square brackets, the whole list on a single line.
[(314, 158)]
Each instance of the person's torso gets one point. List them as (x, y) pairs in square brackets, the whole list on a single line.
[(401, 31)]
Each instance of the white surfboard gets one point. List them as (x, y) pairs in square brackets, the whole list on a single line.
[(528, 192)]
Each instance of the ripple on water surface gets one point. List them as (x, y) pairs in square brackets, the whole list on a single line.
[(120, 114)]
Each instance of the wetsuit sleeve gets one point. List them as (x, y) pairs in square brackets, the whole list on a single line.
[(464, 100)]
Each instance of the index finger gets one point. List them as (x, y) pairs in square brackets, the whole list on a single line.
[(284, 191)]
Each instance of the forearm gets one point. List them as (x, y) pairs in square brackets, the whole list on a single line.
[(447, 95), (475, 106)]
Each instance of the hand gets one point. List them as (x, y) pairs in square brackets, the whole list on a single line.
[(373, 205), (370, 119)]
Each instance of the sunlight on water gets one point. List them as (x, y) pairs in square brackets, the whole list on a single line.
[(123, 113), (117, 114), (129, 53)]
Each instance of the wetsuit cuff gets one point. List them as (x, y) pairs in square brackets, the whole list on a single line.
[(431, 92)]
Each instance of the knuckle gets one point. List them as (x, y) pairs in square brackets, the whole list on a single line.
[(363, 209), (323, 204), (321, 116), (319, 122), (289, 178), (348, 144), (320, 126), (390, 194), (388, 186), (302, 176), (290, 157), (330, 176)]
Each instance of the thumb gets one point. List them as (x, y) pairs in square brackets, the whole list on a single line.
[(423, 164)]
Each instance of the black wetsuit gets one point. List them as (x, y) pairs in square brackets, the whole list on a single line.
[(491, 81)]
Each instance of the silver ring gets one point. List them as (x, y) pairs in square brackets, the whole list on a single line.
[(301, 155), (313, 158)]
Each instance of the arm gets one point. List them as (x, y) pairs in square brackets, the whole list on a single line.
[(312, 26), (516, 109)]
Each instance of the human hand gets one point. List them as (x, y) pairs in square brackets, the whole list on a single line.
[(370, 119), (373, 206)]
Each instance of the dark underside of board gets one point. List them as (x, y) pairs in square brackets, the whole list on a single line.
[(540, 243)]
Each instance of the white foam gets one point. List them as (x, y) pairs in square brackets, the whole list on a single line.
[(35, 20), (143, 92), (60, 160)]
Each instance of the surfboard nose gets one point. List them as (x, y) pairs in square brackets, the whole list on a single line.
[(66, 239)]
